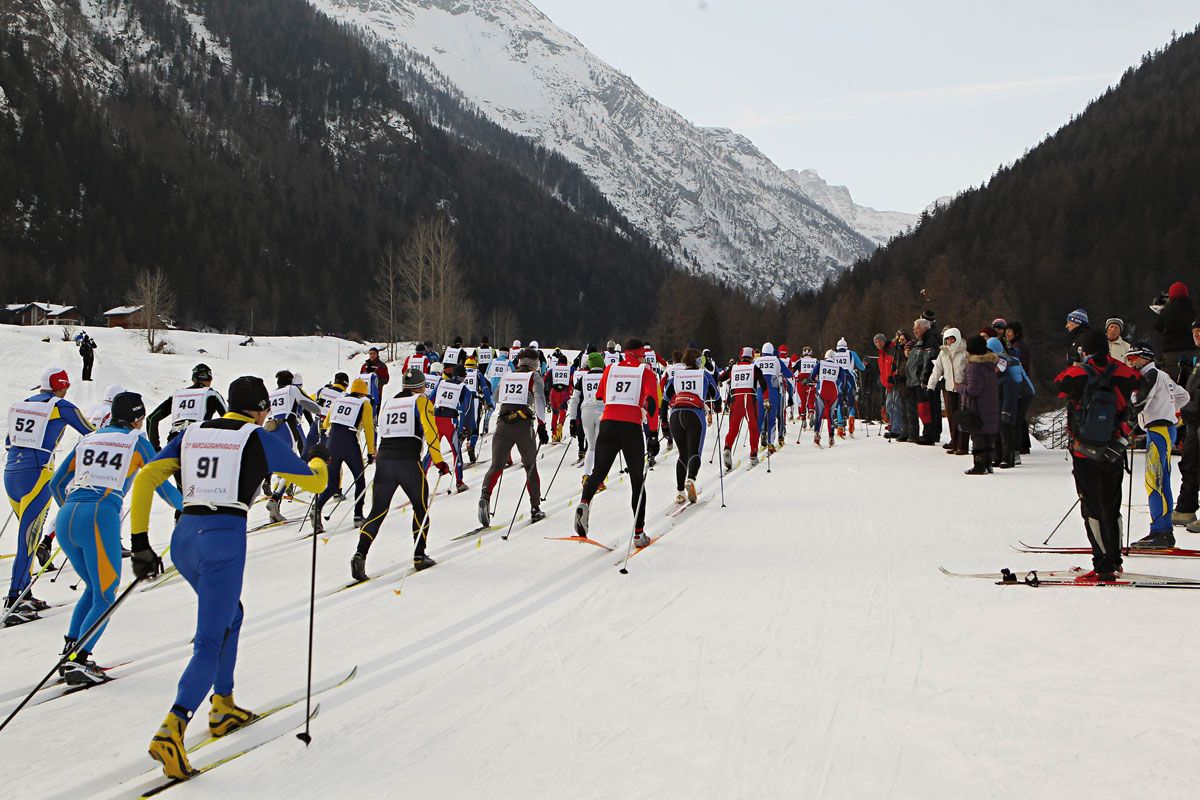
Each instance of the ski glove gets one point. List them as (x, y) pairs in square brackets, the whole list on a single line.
[(652, 446), (574, 429), (543, 435), (271, 424), (145, 562), (370, 459), (443, 468)]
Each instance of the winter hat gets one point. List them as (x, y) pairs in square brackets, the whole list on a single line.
[(1178, 290), (284, 378), (436, 368), (112, 391), (988, 332), (516, 343), (768, 349), (828, 354), (420, 347), (297, 379), (54, 379), (999, 323), (806, 350), (634, 344), (528, 358), (471, 362), (841, 344), (534, 344), (413, 379), (1142, 349), (1196, 324), (201, 373), (929, 315), (1120, 323), (976, 346), (458, 341), (595, 361), (248, 393), (127, 408), (374, 350), (747, 352), (1079, 316), (359, 386), (483, 340), (341, 379), (995, 346), (783, 349)]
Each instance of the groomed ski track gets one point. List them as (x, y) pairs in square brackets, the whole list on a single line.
[(798, 643)]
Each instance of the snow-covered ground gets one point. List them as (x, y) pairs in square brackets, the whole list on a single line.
[(799, 642)]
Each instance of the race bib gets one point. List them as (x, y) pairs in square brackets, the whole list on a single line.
[(690, 381), (431, 381), (624, 387), (345, 411), (187, 406), (843, 360), (499, 368), (210, 465), (741, 376), (27, 423), (769, 365), (829, 371), (514, 389), (326, 397), (650, 357), (590, 384), (448, 395), (484, 357), (560, 376), (471, 381), (611, 358), (451, 355), (281, 401), (102, 460), (398, 418), (808, 365)]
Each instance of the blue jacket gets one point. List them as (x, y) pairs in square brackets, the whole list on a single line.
[(143, 453)]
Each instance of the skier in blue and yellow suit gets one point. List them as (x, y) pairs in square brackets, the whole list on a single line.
[(222, 465), (90, 488), (27, 475)]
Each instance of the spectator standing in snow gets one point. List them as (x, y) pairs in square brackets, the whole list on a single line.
[(1174, 330), (948, 370), (1117, 346), (87, 351), (980, 415)]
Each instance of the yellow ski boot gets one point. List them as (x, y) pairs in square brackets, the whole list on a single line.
[(168, 749), (226, 716)]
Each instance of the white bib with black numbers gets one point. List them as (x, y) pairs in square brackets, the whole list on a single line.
[(326, 396), (188, 405), (611, 358), (514, 389), (499, 368), (843, 360), (808, 365), (430, 382), (560, 376), (281, 402), (451, 355), (345, 411), (624, 387), (829, 371), (769, 365), (690, 381), (398, 418), (471, 380), (27, 423), (590, 384), (210, 465), (650, 357), (484, 357), (448, 395), (741, 376), (102, 460)]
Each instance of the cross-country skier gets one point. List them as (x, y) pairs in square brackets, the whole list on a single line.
[(484, 354), (559, 378), (520, 402), (848, 383), (481, 403), (827, 384), (586, 408), (805, 370), (419, 360), (87, 351), (455, 355), (745, 381), (1158, 400), (499, 367), (325, 398), (35, 426), (630, 392), (222, 462), (688, 390), (612, 354), (406, 426), (451, 402), (776, 373), (287, 404), (90, 488), (349, 414), (98, 415), (195, 403)]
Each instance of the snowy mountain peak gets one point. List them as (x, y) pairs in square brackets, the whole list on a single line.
[(878, 226), (707, 196)]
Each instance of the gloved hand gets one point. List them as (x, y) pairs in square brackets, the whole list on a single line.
[(543, 434), (575, 429), (318, 451), (271, 424), (145, 562), (370, 459), (443, 468), (652, 445)]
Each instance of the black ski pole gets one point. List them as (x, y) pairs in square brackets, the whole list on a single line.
[(1061, 521), (641, 505), (312, 615), (70, 656), (556, 469), (496, 494), (1129, 502)]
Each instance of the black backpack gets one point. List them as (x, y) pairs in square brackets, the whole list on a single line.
[(1096, 418)]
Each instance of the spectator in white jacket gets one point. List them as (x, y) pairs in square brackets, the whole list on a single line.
[(1158, 400), (1114, 329), (949, 367)]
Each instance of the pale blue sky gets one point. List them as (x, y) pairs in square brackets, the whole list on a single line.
[(900, 101)]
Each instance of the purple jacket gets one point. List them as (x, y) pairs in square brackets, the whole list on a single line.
[(980, 392)]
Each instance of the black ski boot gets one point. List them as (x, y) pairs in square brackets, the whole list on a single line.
[(43, 552), (421, 562), (536, 515), (18, 613), (358, 567), (485, 511), (1163, 540)]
